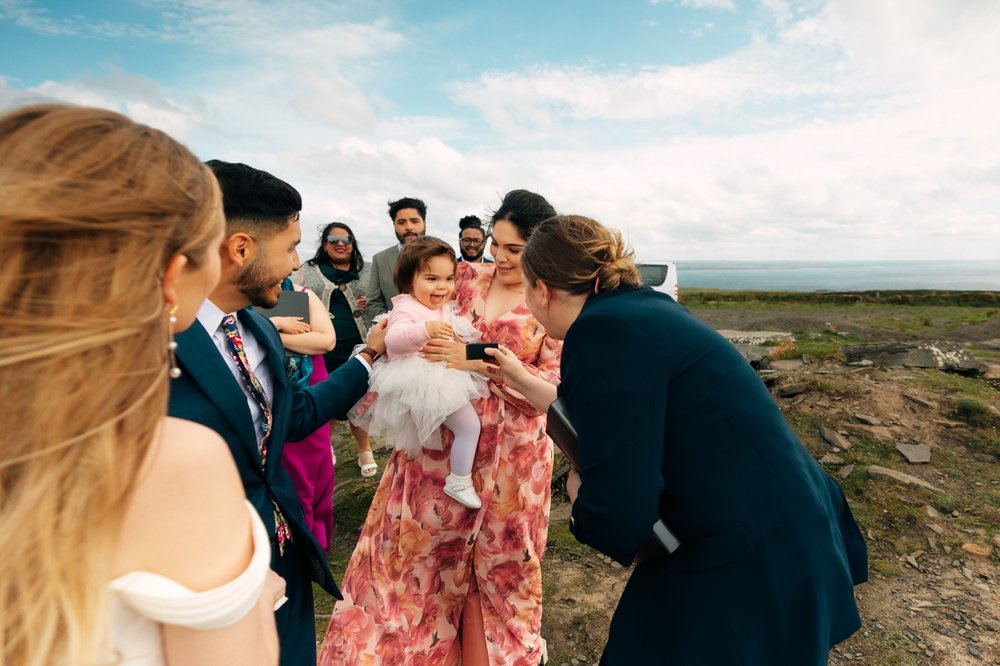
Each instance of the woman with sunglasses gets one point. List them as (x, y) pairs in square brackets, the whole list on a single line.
[(337, 274)]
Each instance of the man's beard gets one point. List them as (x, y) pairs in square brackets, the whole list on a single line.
[(471, 257), (406, 238), (257, 285)]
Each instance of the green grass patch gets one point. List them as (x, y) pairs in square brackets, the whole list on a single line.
[(987, 301), (867, 449), (946, 503), (984, 443), (882, 566), (820, 346), (985, 355), (971, 411), (952, 384), (856, 483)]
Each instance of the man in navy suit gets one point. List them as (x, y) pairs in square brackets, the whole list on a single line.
[(233, 380)]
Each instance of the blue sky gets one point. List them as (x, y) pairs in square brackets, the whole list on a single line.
[(703, 129)]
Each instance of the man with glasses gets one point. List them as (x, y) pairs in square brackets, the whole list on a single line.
[(472, 240), (407, 215)]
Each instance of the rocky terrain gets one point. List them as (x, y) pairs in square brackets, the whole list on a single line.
[(915, 448)]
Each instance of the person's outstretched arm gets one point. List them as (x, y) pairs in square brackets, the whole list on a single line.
[(318, 339), (510, 371)]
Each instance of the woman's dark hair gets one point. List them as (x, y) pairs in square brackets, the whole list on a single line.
[(524, 209), (578, 255), (414, 256), (322, 258)]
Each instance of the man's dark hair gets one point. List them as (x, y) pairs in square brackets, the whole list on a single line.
[(470, 222), (524, 209), (414, 256), (407, 202), (253, 200)]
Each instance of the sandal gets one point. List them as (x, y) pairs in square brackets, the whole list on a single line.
[(366, 461)]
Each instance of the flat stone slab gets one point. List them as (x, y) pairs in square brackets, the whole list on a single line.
[(755, 337), (834, 438), (915, 453), (949, 356), (755, 355), (918, 401), (792, 390), (877, 472)]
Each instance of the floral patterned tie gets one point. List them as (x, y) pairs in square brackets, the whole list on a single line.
[(234, 343)]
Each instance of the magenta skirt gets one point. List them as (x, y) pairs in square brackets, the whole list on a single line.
[(310, 464)]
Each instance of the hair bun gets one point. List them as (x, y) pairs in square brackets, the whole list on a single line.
[(618, 269), (470, 222)]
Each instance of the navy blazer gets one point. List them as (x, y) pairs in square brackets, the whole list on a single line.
[(674, 423), (208, 393)]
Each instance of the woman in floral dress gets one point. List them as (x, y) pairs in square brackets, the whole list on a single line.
[(431, 581)]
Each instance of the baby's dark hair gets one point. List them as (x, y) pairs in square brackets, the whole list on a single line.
[(415, 256)]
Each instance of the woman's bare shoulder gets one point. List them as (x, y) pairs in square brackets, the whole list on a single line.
[(188, 487)]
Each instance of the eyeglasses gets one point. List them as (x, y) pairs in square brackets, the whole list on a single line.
[(471, 241), (342, 240)]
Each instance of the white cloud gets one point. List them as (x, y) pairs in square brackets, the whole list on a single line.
[(725, 5), (866, 130), (846, 129), (549, 96)]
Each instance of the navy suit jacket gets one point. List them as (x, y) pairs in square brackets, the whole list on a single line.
[(208, 393), (673, 423)]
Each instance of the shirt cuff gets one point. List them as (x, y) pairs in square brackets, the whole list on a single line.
[(363, 362)]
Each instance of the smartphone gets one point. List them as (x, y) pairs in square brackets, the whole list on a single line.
[(476, 351)]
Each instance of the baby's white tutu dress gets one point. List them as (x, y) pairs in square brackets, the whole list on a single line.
[(409, 398)]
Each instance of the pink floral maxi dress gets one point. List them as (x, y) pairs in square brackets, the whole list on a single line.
[(407, 580)]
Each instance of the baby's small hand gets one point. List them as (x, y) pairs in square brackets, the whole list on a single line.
[(292, 325), (440, 329)]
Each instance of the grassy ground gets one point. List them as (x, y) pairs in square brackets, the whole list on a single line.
[(961, 423)]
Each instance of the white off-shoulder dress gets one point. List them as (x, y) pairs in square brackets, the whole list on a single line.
[(142, 601)]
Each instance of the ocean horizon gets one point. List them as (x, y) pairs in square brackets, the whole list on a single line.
[(949, 275)]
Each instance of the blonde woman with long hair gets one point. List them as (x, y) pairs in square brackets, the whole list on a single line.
[(125, 535)]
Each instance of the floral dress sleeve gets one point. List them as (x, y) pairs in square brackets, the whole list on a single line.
[(516, 330), (545, 366)]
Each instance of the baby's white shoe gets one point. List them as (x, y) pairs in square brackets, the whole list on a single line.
[(460, 489)]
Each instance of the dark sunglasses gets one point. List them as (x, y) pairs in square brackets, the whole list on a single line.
[(343, 240)]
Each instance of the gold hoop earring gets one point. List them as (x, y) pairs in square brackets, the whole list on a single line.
[(174, 371)]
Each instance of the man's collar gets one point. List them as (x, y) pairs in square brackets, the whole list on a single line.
[(210, 316)]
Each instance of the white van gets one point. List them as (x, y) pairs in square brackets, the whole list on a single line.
[(661, 276)]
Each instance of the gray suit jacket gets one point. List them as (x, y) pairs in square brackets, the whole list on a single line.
[(381, 288)]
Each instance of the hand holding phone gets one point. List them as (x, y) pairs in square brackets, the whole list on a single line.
[(476, 351)]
